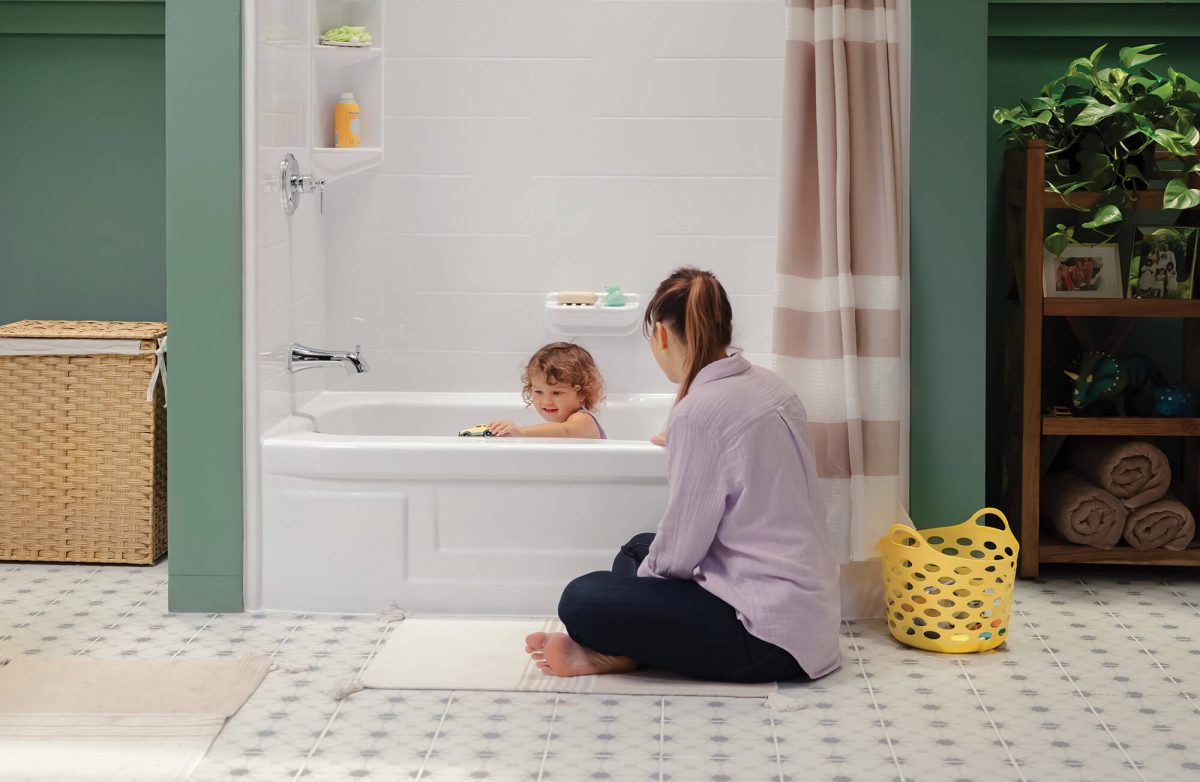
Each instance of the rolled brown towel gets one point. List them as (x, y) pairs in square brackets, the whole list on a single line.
[(1134, 472), (1081, 511), (1166, 523)]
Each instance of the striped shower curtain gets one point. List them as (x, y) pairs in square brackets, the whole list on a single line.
[(841, 316)]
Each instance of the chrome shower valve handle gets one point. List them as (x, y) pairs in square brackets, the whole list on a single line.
[(293, 184)]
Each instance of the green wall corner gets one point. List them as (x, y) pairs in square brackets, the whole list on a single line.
[(204, 303), (948, 256), (204, 594)]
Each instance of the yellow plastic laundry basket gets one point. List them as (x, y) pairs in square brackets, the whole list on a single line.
[(949, 589)]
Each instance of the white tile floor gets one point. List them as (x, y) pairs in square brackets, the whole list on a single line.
[(1098, 682)]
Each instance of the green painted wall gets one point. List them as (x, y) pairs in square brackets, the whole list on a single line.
[(82, 224), (204, 302), (948, 283)]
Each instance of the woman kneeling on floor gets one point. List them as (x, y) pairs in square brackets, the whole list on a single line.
[(739, 584)]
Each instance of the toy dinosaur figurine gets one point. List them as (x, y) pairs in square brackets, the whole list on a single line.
[(1106, 385)]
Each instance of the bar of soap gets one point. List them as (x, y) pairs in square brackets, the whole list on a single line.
[(576, 298)]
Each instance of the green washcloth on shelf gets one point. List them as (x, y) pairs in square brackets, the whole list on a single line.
[(615, 297), (346, 34)]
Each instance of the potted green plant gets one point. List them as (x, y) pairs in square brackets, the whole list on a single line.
[(1102, 125)]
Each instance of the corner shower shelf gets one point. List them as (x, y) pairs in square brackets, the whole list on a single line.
[(341, 56), (335, 163), (338, 69)]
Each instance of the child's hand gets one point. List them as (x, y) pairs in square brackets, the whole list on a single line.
[(659, 439), (504, 429)]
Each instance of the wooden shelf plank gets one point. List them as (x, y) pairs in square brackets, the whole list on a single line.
[(1122, 427), (1122, 308), (1055, 549), (1082, 199)]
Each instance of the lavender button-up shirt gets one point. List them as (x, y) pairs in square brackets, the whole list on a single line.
[(745, 518)]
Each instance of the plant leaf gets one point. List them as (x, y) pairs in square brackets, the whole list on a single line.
[(1173, 142), (1057, 242), (1165, 91), (1179, 196), (1183, 80), (1080, 63), (1094, 57), (1105, 215), (1132, 56), (1191, 136), (1095, 112)]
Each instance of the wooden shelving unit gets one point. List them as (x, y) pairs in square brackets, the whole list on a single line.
[(1038, 436), (1054, 549)]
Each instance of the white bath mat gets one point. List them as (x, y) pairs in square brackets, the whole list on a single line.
[(488, 654), (84, 747), (77, 685), (80, 719)]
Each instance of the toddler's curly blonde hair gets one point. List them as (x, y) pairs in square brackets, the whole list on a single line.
[(569, 364)]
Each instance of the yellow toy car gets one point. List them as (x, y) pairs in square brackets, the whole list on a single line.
[(476, 431)]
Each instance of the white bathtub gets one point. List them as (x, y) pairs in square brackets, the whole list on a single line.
[(371, 499)]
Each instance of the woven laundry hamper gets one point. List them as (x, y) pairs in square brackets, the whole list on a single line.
[(83, 442)]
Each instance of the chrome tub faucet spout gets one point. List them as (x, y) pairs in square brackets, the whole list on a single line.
[(301, 357)]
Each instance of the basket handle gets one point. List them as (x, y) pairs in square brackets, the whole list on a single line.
[(899, 533), (991, 512)]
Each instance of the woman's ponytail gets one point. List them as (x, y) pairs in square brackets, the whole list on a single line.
[(693, 304)]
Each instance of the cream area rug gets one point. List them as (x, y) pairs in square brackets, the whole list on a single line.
[(80, 719), (488, 654)]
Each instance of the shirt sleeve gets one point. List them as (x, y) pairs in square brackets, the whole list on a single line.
[(698, 490)]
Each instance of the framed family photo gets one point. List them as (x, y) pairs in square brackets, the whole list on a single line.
[(1163, 262), (1085, 271)]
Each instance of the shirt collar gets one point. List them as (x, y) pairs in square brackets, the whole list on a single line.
[(723, 368)]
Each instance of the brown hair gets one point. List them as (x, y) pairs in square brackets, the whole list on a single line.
[(563, 362), (693, 304)]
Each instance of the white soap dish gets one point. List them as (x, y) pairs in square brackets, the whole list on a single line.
[(593, 320)]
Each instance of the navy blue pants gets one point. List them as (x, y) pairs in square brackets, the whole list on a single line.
[(670, 624)]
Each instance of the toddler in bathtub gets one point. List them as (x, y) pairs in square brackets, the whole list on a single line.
[(563, 384)]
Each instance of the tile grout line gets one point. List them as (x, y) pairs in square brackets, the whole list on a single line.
[(662, 732), (436, 733), (549, 736), (874, 701), (1181, 596), (992, 722), (61, 595), (338, 710), (195, 635), (1062, 669), (122, 618), (289, 635), (1162, 669), (775, 741)]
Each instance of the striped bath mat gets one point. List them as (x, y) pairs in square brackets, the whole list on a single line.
[(131, 720), (489, 654)]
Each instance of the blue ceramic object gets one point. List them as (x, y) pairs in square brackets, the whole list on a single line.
[(1176, 402)]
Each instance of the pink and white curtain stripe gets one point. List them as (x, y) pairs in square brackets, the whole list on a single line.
[(841, 315)]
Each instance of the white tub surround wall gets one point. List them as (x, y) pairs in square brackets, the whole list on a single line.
[(555, 145), (284, 255)]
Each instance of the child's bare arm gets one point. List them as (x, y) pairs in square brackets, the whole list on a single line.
[(579, 425), (504, 429)]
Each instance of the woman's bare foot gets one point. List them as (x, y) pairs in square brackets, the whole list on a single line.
[(557, 655)]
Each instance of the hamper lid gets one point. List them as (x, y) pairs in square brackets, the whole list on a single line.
[(83, 329)]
